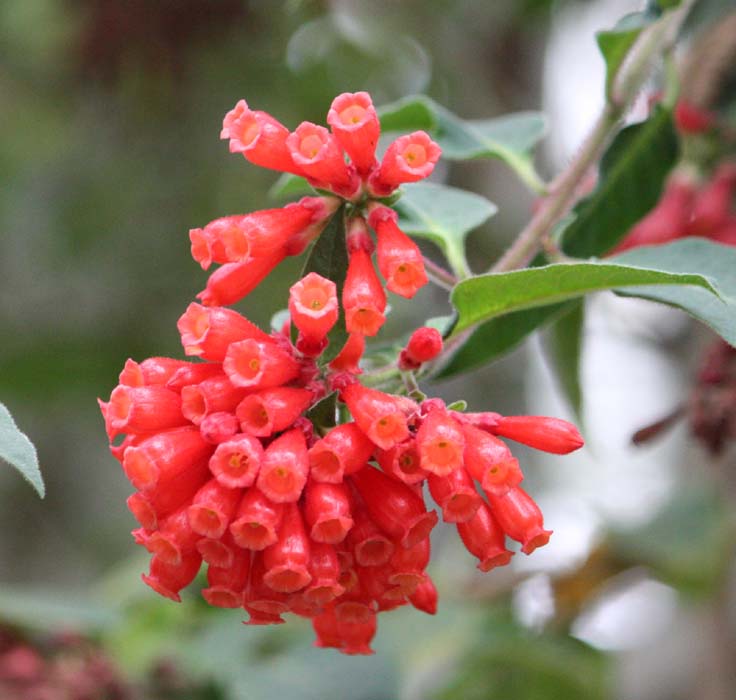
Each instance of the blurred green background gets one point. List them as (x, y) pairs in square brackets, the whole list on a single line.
[(110, 153)]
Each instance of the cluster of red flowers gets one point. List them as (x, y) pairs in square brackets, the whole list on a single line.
[(686, 209), (292, 515)]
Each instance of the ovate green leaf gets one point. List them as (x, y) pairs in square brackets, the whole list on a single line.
[(18, 451)]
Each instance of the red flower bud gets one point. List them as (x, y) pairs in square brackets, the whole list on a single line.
[(272, 410), (284, 468), (399, 259), (344, 450), (168, 579), (259, 137), (316, 151), (212, 509), (424, 345), (395, 508), (363, 298), (256, 521), (236, 462), (378, 415), (313, 306), (408, 159), (484, 538), (286, 561), (691, 119), (209, 332), (520, 518), (542, 433), (227, 584), (327, 512), (489, 461), (456, 495), (355, 124)]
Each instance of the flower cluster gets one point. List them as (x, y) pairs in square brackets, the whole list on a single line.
[(685, 209), (291, 509)]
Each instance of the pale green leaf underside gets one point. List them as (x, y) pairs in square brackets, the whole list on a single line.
[(18, 451)]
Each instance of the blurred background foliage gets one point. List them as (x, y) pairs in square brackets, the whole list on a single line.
[(109, 153)]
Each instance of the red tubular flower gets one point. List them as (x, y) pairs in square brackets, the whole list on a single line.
[(173, 539), (193, 373), (425, 597), (284, 468), (218, 552), (403, 462), (399, 259), (264, 605), (378, 415), (408, 159), (287, 560), (144, 409), (520, 518), (394, 506), (256, 521), (213, 508), (363, 298), (208, 243), (357, 636), (484, 538), (272, 410), (257, 364), (174, 459), (154, 370), (370, 546), (227, 584), (313, 306), (408, 564), (168, 579), (327, 512), (324, 569), (259, 137), (236, 280), (344, 450), (713, 204), (355, 125), (489, 461), (441, 443), (348, 359), (542, 433), (218, 427), (317, 152), (236, 462), (325, 630), (210, 396), (455, 494), (424, 345), (209, 332)]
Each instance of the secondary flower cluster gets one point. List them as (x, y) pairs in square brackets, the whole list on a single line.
[(685, 209), (238, 458)]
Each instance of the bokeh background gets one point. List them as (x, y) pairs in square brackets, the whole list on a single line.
[(110, 153)]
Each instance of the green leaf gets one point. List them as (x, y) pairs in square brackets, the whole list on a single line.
[(18, 451), (324, 413), (565, 344), (614, 44), (329, 258), (444, 215), (407, 114), (630, 183), (498, 337), (717, 262), (509, 138), (481, 298)]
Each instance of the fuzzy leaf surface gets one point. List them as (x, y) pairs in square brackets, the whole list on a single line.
[(18, 451)]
